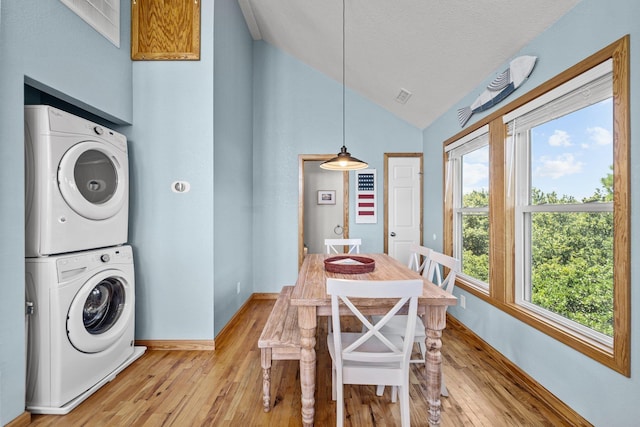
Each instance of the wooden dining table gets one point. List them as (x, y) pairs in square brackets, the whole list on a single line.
[(310, 296)]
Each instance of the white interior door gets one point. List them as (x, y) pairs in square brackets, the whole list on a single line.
[(404, 216)]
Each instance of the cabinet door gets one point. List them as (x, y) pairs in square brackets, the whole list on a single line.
[(165, 30)]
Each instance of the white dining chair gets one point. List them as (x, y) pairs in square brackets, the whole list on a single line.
[(334, 246), (372, 357), (418, 258), (434, 271)]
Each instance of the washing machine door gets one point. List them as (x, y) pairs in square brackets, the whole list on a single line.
[(92, 179), (100, 312)]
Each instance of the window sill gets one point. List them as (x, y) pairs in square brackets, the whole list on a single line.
[(589, 347)]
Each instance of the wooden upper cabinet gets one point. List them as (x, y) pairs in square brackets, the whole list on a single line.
[(165, 29)]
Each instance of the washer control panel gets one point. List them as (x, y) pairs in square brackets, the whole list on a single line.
[(84, 262)]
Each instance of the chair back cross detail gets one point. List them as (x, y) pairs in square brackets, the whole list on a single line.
[(394, 353), (335, 246), (437, 263), (419, 258)]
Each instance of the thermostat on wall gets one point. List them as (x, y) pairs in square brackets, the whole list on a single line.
[(366, 205)]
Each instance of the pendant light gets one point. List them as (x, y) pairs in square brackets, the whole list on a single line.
[(343, 161)]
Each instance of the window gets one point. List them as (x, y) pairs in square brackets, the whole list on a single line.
[(563, 150), (469, 169), (552, 209)]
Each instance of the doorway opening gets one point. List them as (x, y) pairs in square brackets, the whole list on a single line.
[(322, 212)]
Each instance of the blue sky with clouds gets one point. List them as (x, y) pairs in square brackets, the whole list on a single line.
[(475, 170), (570, 155)]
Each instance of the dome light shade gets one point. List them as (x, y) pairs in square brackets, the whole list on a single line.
[(344, 162)]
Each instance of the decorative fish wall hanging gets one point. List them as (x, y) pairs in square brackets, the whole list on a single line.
[(501, 87)]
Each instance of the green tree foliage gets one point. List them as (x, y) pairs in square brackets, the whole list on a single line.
[(607, 184), (475, 236), (475, 249), (571, 256)]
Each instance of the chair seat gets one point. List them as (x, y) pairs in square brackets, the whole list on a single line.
[(397, 325), (371, 346), (355, 372)]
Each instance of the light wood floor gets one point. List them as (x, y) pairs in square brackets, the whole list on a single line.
[(224, 388)]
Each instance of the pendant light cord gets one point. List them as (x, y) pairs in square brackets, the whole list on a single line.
[(344, 142)]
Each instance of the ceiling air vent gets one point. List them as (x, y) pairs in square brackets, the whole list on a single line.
[(403, 96)]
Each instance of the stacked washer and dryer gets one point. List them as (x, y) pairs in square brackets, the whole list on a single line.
[(79, 271)]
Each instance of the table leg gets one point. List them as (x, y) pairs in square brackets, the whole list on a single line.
[(436, 322), (308, 323), (265, 358)]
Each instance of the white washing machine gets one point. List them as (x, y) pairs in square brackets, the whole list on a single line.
[(76, 183), (81, 329)]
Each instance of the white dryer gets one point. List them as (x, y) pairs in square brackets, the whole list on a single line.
[(77, 183), (81, 329)]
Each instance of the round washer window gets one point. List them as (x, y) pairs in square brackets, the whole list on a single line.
[(103, 306), (95, 176)]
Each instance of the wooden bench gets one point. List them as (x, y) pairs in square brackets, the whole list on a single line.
[(280, 340)]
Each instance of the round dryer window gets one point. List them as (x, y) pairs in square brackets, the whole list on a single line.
[(100, 312), (95, 176), (92, 178)]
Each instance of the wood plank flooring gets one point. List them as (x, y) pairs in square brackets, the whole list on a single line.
[(224, 388)]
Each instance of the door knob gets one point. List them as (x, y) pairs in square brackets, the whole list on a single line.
[(393, 234)]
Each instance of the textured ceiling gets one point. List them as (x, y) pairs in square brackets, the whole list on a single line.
[(439, 50)]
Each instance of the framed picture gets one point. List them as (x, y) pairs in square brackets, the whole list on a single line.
[(326, 197)]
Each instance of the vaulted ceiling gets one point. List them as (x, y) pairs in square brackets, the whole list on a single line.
[(437, 50)]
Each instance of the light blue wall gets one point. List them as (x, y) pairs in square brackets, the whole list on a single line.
[(171, 233), (233, 160), (602, 396), (51, 47), (297, 110)]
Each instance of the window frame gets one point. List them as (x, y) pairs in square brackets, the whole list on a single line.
[(502, 214), (456, 151)]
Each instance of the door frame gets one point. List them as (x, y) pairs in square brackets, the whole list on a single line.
[(386, 195), (345, 205)]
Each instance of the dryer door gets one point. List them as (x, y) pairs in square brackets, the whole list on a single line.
[(100, 312), (92, 178)]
